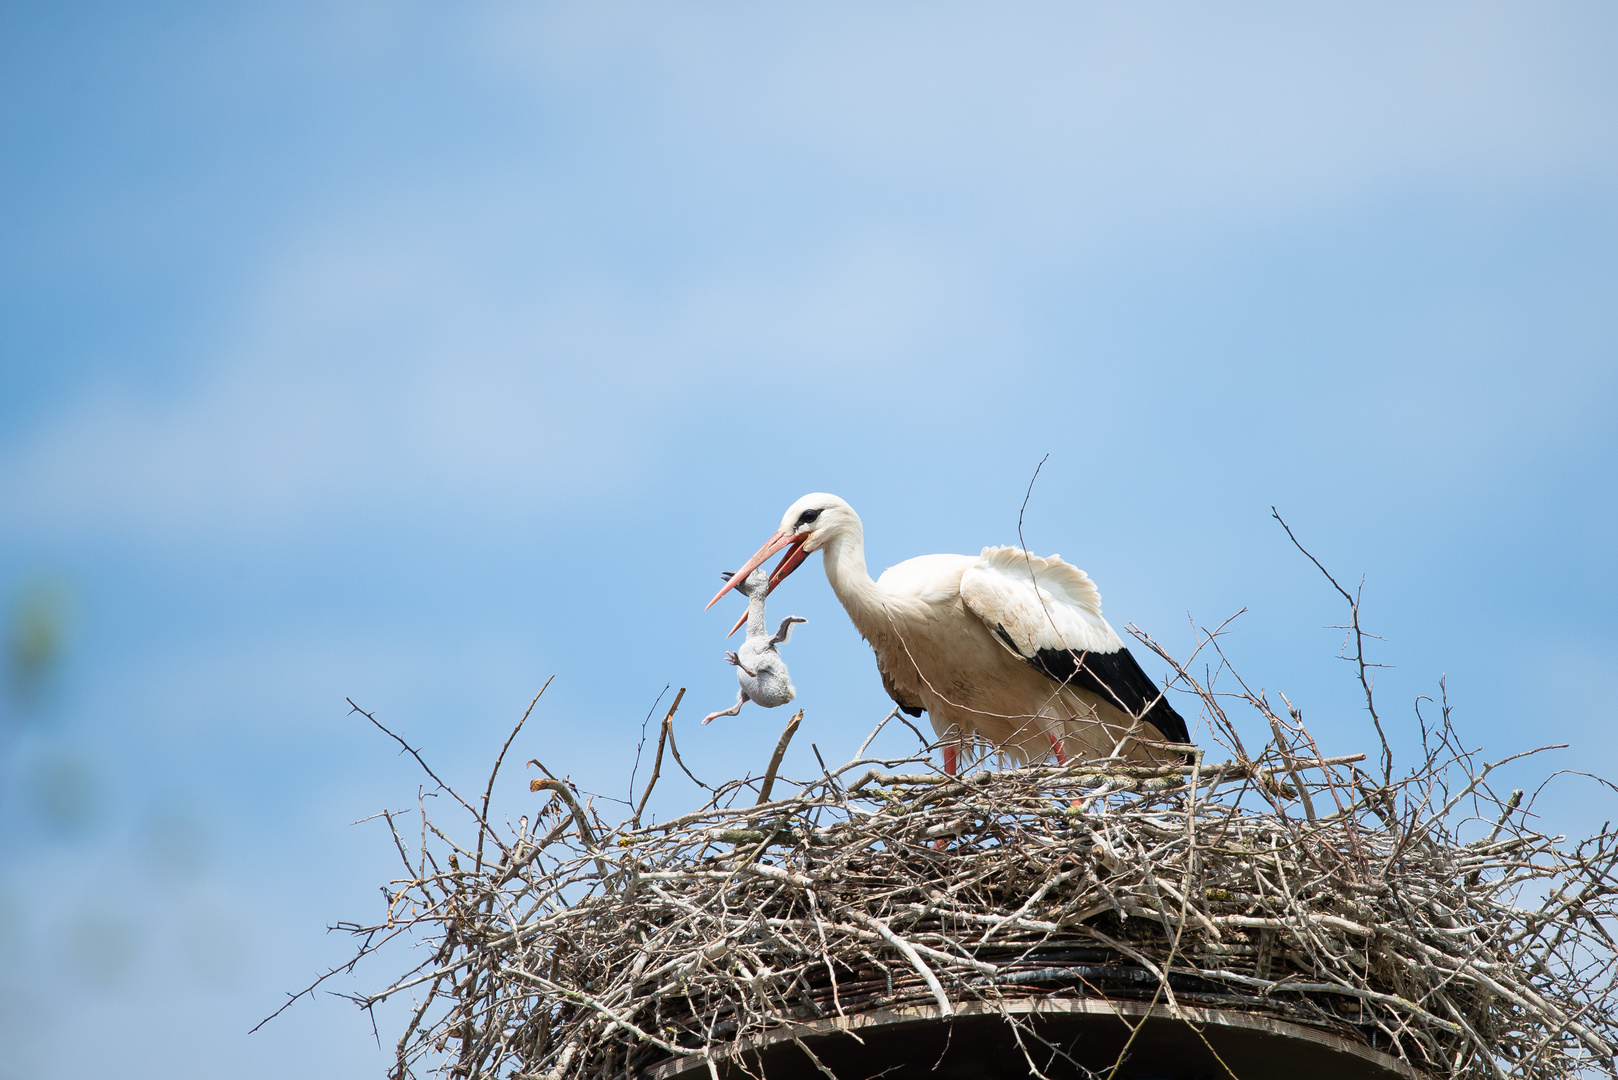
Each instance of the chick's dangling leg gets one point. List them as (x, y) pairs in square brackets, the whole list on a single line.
[(741, 699), (736, 661), (784, 634)]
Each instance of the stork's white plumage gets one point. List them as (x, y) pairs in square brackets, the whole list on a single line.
[(1006, 646)]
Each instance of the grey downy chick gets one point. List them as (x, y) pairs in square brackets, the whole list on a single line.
[(759, 667)]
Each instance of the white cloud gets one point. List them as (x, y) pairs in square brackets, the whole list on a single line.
[(372, 375), (1095, 110), (366, 375), (834, 193)]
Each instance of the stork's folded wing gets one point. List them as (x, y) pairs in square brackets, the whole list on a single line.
[(1033, 604)]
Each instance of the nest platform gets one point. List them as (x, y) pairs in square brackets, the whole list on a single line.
[(1086, 1037)]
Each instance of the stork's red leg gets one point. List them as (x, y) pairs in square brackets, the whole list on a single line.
[(952, 763), (1061, 758)]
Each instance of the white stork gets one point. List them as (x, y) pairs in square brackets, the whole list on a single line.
[(1006, 646)]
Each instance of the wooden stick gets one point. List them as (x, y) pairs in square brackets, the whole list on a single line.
[(657, 762), (775, 758)]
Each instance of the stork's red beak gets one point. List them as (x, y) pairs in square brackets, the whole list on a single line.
[(771, 546), (789, 562)]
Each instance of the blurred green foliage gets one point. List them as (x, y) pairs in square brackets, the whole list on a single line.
[(59, 779), (177, 844), (65, 791), (212, 945), (104, 946), (36, 639)]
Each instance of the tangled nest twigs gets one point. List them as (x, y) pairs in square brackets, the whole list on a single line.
[(1285, 883), (1423, 917)]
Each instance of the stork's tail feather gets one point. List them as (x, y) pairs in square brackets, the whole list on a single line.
[(1163, 717), (1170, 725)]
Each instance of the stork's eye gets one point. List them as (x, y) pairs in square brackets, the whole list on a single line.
[(807, 517)]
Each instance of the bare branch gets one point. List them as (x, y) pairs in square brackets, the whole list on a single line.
[(775, 759), (489, 790), (1359, 646), (663, 732)]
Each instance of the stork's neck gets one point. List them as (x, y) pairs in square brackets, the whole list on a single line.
[(845, 569)]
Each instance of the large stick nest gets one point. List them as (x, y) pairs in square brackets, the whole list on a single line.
[(1282, 882)]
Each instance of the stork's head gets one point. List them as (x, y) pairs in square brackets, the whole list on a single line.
[(815, 520), (808, 525)]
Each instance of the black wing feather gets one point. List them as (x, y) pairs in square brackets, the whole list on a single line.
[(1117, 679)]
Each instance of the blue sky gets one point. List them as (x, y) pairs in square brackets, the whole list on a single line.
[(413, 353)]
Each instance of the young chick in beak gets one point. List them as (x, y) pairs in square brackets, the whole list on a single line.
[(759, 667)]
